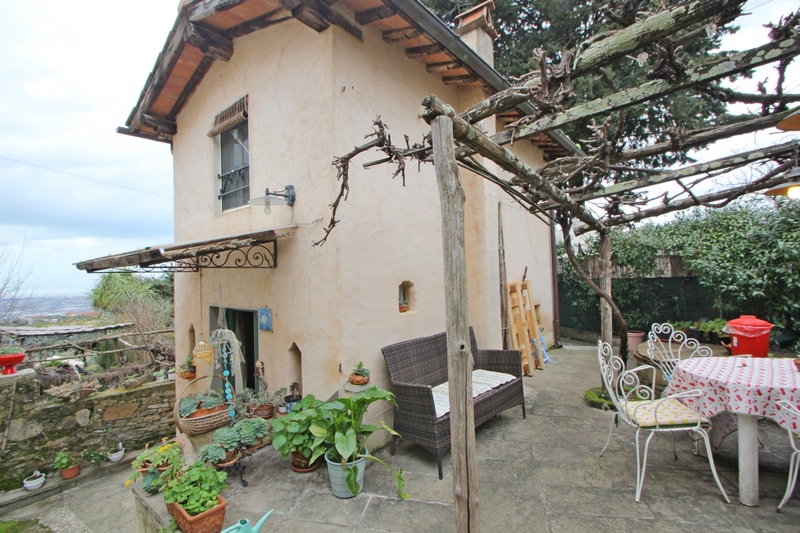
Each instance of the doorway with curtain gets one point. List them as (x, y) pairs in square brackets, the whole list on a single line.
[(244, 325)]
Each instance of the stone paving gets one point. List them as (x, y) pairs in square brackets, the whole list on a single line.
[(541, 474)]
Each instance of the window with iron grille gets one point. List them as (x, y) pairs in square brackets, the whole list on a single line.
[(234, 146)]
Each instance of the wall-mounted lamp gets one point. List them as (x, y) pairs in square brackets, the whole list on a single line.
[(269, 199), (792, 187)]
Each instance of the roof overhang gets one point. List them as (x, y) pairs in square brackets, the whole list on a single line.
[(250, 250), (205, 30)]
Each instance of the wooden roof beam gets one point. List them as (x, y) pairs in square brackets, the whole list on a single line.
[(204, 10), (424, 50), (306, 14), (374, 15), (166, 127), (259, 23), (210, 43), (459, 80), (401, 34), (443, 66), (165, 63)]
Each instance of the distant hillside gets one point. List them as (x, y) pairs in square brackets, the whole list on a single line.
[(48, 306)]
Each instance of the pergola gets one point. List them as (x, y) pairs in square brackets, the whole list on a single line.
[(584, 192)]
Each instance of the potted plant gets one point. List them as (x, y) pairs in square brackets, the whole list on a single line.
[(116, 453), (95, 457), (192, 498), (292, 436), (213, 453), (201, 404), (11, 356), (228, 440), (713, 329), (252, 432), (403, 305), (294, 396), (258, 404), (155, 464), (131, 382), (68, 465), (34, 481), (159, 375), (187, 369), (359, 375), (344, 421), (171, 373)]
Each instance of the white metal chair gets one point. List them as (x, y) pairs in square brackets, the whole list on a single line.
[(794, 462), (638, 406), (667, 354)]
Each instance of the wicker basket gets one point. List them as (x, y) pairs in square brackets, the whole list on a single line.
[(205, 423)]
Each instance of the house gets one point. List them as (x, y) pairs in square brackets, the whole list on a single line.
[(259, 96)]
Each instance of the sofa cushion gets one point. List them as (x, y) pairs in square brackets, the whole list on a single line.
[(482, 382)]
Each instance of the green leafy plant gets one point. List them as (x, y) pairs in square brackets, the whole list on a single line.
[(250, 430), (196, 488), (159, 373), (188, 365), (64, 460), (187, 406), (227, 438), (8, 350), (168, 457), (344, 421), (93, 456), (292, 433), (208, 399), (361, 370), (212, 453)]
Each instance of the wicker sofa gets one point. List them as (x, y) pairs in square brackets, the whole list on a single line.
[(418, 365)]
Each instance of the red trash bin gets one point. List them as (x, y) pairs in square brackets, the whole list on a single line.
[(749, 335)]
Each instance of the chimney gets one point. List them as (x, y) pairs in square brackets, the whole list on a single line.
[(477, 30)]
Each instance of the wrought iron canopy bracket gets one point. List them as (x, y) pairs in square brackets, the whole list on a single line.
[(261, 255)]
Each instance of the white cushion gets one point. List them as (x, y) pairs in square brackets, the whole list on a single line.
[(482, 382)]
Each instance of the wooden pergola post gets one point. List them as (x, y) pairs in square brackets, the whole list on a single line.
[(459, 353)]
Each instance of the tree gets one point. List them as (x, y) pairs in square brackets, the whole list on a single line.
[(113, 291), (12, 284), (535, 30)]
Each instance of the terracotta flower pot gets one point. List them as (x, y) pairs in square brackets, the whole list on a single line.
[(207, 411), (188, 375), (355, 379), (264, 411), (71, 472), (300, 463), (210, 521)]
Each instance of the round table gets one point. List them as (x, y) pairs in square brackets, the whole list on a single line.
[(748, 387)]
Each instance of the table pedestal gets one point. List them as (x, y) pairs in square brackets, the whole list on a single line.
[(748, 459)]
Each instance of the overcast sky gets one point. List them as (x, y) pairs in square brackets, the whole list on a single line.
[(73, 188)]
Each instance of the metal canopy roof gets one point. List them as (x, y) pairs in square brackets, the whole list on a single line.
[(250, 250)]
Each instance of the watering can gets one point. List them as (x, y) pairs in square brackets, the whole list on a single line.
[(243, 526)]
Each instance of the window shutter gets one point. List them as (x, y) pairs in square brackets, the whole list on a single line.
[(233, 116)]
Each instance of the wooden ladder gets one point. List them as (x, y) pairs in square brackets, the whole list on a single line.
[(522, 318)]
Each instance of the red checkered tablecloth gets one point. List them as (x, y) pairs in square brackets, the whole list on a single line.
[(732, 385)]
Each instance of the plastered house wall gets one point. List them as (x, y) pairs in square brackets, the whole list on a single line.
[(313, 96)]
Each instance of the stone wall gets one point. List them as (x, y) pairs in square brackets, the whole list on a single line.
[(39, 427)]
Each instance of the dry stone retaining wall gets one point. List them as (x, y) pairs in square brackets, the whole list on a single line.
[(39, 427)]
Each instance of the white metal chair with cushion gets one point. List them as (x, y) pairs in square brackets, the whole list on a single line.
[(637, 405), (666, 354), (794, 462)]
